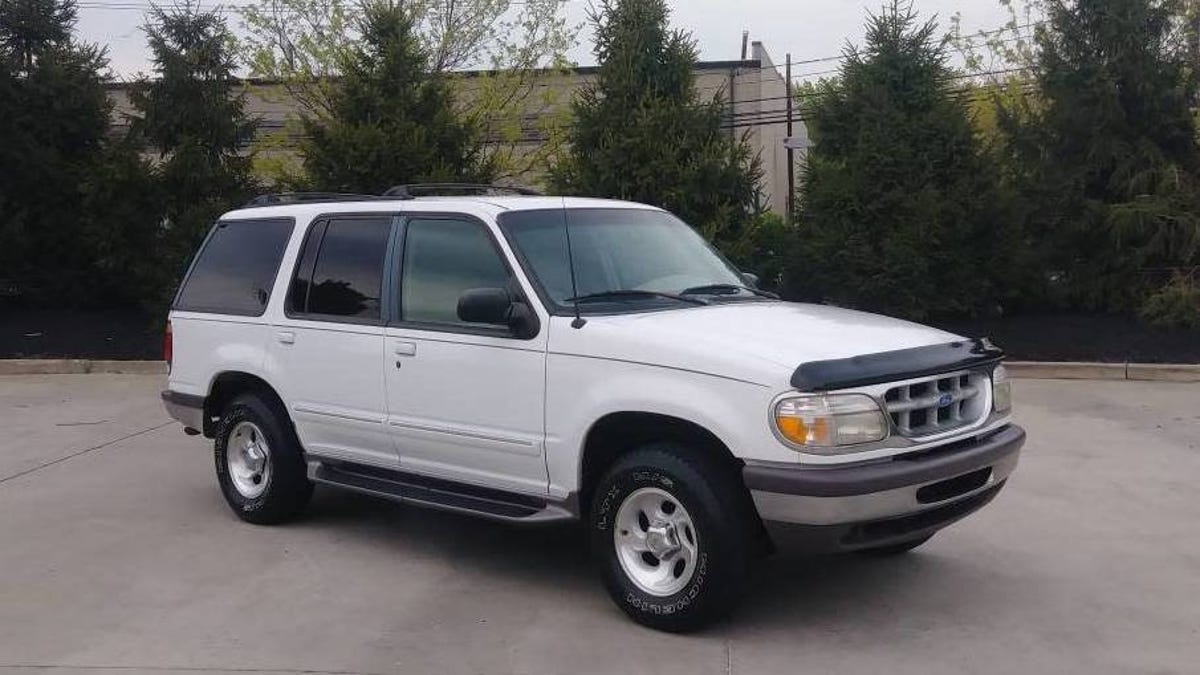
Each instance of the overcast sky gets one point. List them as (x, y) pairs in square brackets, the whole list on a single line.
[(808, 29)]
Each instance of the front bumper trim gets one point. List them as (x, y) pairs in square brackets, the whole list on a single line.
[(926, 467), (872, 506), (886, 502)]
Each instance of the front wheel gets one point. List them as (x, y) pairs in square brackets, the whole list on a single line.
[(673, 537)]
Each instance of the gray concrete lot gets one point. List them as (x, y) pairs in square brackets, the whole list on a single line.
[(117, 554)]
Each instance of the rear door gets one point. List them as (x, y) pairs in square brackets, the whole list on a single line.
[(465, 401), (328, 347)]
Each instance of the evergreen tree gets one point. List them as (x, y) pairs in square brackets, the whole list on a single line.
[(390, 119), (1108, 160), (194, 118), (54, 115), (898, 210), (641, 132)]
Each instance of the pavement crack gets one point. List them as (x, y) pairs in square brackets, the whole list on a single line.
[(85, 451)]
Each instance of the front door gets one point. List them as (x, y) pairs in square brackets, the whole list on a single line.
[(464, 401), (327, 348)]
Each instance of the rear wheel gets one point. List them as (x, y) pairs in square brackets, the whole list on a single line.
[(260, 466), (673, 537)]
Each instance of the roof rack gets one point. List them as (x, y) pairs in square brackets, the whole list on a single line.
[(413, 190), (277, 198)]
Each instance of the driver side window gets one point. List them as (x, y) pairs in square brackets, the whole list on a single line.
[(444, 257)]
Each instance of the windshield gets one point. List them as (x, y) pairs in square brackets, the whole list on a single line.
[(651, 253)]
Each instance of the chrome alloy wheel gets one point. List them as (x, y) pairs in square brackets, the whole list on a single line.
[(249, 460), (656, 541)]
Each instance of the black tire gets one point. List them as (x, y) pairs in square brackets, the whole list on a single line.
[(724, 522), (895, 549), (288, 489)]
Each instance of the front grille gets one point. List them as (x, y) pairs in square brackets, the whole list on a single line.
[(937, 404)]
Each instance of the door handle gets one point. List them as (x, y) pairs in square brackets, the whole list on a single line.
[(285, 337), (405, 349)]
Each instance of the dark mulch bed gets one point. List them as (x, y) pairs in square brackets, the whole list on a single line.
[(83, 334), (1070, 337), (129, 334)]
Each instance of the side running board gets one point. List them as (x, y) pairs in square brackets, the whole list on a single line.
[(441, 494)]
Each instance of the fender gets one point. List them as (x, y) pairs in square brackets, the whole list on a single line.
[(587, 390)]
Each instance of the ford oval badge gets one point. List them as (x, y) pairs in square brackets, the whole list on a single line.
[(945, 400)]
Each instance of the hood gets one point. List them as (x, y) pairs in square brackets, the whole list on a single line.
[(760, 342)]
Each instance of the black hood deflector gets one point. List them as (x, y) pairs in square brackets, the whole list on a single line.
[(901, 364)]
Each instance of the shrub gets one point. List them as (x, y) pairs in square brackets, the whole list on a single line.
[(643, 132), (764, 247), (1174, 305), (898, 208)]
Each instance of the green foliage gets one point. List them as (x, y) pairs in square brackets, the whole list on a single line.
[(304, 44), (641, 132), (121, 223), (1106, 160), (1175, 305), (193, 116), (54, 115), (766, 247), (390, 119), (899, 210)]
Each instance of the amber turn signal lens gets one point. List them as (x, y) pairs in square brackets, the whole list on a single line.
[(800, 432), (829, 420)]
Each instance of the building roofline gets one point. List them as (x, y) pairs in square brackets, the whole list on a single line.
[(577, 70)]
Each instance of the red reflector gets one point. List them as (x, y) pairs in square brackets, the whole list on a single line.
[(168, 345)]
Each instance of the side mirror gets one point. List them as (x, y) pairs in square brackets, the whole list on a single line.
[(750, 278), (485, 305), (496, 307)]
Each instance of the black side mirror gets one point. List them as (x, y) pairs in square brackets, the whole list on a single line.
[(497, 307), (750, 279), (485, 305)]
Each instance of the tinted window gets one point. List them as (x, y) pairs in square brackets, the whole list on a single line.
[(235, 270), (298, 294), (443, 258), (348, 270)]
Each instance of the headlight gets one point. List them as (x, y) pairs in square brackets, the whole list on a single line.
[(1001, 390), (829, 420)]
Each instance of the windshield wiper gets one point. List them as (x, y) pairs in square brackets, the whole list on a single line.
[(726, 289), (617, 294)]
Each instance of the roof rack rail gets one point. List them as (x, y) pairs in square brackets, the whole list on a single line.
[(276, 198), (414, 190)]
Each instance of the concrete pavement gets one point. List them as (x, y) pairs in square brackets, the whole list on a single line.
[(118, 554)]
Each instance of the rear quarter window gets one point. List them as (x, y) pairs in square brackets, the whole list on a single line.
[(235, 269)]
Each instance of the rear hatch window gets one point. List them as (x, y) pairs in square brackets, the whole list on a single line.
[(235, 269)]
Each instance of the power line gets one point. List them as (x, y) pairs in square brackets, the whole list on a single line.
[(968, 38)]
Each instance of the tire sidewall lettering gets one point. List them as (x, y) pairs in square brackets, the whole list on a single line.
[(225, 427), (605, 513)]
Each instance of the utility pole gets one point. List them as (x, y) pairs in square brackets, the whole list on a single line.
[(791, 164)]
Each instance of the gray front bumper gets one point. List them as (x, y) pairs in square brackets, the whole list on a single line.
[(876, 504)]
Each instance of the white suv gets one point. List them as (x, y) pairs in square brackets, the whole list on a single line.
[(542, 359)]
